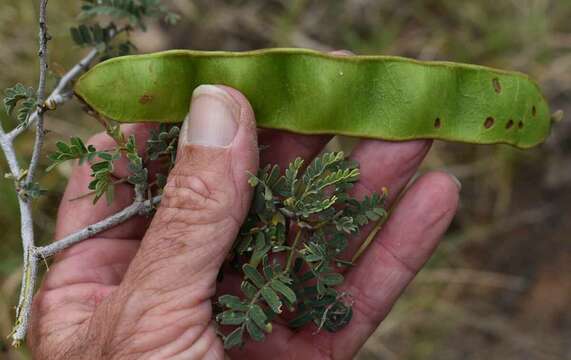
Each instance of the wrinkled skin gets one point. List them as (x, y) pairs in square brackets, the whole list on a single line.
[(144, 289)]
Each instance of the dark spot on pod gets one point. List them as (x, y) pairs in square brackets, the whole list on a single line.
[(510, 124), (497, 85), (520, 124), (489, 122), (533, 110), (145, 99), (437, 123)]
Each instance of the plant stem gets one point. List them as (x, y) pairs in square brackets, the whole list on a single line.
[(89, 193), (370, 237), (9, 153), (136, 208), (293, 251), (29, 275), (60, 94), (32, 255), (41, 92)]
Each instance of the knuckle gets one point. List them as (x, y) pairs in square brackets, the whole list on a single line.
[(443, 201), (194, 204), (193, 194), (188, 191), (367, 305), (200, 202), (199, 189)]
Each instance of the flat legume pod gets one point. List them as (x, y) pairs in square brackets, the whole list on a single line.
[(309, 92)]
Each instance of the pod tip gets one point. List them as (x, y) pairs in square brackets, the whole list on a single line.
[(557, 116)]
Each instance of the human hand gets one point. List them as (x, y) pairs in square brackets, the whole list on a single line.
[(144, 291)]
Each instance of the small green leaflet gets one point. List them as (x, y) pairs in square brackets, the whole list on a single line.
[(23, 96)]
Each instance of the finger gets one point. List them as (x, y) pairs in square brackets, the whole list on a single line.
[(281, 147), (77, 211), (396, 255), (387, 164), (384, 164), (205, 201)]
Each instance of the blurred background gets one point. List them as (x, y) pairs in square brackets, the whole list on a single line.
[(499, 286)]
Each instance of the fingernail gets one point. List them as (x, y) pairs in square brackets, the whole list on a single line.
[(213, 118), (455, 179)]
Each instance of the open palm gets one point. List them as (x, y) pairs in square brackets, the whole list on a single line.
[(143, 290)]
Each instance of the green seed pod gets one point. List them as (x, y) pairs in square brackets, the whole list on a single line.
[(309, 92)]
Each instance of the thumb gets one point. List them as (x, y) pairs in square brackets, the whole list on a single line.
[(206, 197)]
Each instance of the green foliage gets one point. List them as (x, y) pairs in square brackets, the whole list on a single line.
[(91, 35), (163, 142), (271, 287), (104, 180), (75, 150), (126, 15), (31, 190), (314, 210), (102, 174), (139, 173), (101, 164), (161, 145), (23, 96), (101, 38), (133, 11)]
